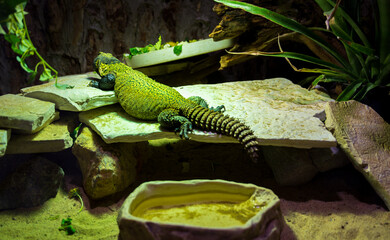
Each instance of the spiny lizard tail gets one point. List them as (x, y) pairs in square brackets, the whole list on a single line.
[(216, 121)]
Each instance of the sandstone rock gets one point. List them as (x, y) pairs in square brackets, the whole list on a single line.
[(325, 159), (192, 159), (291, 166), (365, 138), (34, 182), (53, 138), (106, 168), (294, 166), (279, 112), (187, 159), (25, 115), (5, 135), (80, 98)]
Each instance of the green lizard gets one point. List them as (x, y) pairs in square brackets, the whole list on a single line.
[(143, 98)]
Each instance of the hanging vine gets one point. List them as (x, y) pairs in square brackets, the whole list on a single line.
[(14, 28)]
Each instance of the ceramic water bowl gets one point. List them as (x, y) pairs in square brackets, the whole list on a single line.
[(200, 209)]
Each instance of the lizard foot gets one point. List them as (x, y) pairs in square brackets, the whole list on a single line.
[(170, 118), (107, 82), (184, 129)]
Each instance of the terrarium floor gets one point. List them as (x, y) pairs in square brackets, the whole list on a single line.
[(338, 204)]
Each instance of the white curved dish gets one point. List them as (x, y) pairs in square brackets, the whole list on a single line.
[(188, 50)]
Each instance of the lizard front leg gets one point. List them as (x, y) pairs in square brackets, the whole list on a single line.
[(106, 82), (170, 118)]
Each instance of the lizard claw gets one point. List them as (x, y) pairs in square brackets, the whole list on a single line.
[(184, 129), (220, 108), (94, 84)]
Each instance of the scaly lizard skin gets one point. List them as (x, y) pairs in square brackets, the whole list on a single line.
[(143, 98)]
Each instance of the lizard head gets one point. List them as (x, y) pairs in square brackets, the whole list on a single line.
[(102, 61)]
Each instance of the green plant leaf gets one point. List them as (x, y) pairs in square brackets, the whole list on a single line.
[(22, 48), (177, 49), (373, 65), (359, 48), (2, 31), (336, 78), (11, 38), (302, 57), (336, 72), (46, 75), (19, 18), (31, 78), (363, 91), (15, 48), (333, 16), (26, 43), (25, 46), (7, 7), (62, 86), (349, 91), (384, 29), (317, 80), (66, 225), (14, 40), (287, 23), (147, 49), (134, 51), (23, 64), (20, 7), (384, 75), (74, 134), (307, 80), (339, 32), (352, 23), (157, 46), (11, 25), (21, 43)]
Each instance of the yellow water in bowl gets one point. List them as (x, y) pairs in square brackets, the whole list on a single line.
[(204, 213)]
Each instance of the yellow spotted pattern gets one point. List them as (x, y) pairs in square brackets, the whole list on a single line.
[(144, 98)]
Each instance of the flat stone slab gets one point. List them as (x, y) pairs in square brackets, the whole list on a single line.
[(5, 135), (24, 114), (53, 138), (279, 112), (365, 137), (80, 98)]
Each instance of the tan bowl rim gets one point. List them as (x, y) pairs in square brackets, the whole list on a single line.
[(144, 185)]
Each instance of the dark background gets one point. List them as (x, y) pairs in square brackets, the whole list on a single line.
[(69, 34)]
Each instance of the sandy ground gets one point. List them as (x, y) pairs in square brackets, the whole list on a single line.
[(338, 204), (43, 222)]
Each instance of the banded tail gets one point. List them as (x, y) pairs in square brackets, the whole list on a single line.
[(208, 119)]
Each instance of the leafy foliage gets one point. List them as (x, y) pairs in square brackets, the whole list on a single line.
[(8, 7), (17, 35), (366, 66), (177, 47), (75, 193), (74, 134), (138, 50), (66, 225)]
